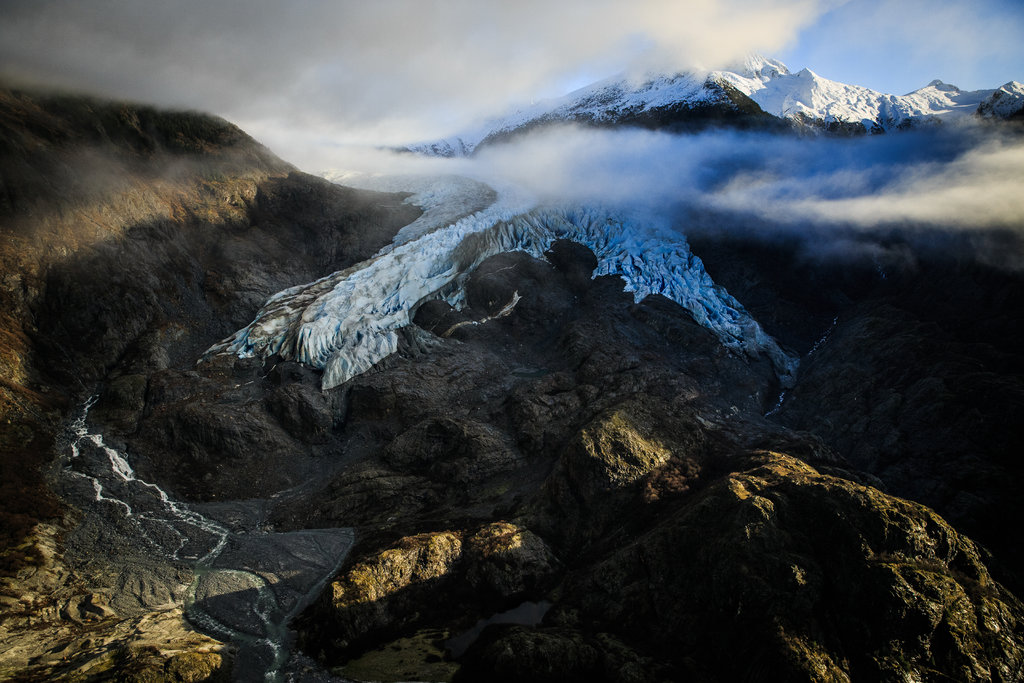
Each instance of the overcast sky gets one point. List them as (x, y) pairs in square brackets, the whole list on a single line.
[(309, 74)]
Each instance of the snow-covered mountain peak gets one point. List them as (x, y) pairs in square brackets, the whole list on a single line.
[(811, 98), (760, 67), (1005, 102), (683, 98), (939, 85), (642, 100)]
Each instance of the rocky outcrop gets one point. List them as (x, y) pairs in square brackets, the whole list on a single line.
[(777, 569), (394, 590), (158, 646), (626, 456), (918, 380), (934, 416), (59, 625)]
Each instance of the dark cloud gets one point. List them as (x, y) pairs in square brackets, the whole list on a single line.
[(386, 71)]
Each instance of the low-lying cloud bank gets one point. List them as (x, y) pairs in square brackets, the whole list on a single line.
[(946, 179), (967, 177)]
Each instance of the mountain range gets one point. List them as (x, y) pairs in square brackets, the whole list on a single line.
[(760, 93), (258, 425)]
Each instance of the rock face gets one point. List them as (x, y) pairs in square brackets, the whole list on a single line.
[(751, 578), (938, 424), (918, 382), (386, 593)]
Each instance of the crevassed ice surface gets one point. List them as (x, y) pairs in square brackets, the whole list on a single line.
[(348, 321)]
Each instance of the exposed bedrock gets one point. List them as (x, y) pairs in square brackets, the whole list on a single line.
[(675, 532), (774, 571), (919, 382)]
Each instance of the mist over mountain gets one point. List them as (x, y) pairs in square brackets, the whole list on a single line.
[(710, 375), (760, 93)]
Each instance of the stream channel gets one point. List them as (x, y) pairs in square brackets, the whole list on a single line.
[(244, 582)]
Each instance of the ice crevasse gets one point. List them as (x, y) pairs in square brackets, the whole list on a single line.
[(346, 322)]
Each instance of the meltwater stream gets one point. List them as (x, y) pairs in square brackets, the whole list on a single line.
[(817, 345), (247, 583)]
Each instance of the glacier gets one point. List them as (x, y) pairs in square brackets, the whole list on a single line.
[(346, 322)]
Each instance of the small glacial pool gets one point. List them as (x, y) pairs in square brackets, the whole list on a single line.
[(526, 614)]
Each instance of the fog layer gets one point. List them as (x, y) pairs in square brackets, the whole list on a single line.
[(964, 177)]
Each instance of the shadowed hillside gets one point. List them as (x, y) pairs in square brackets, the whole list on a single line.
[(129, 232)]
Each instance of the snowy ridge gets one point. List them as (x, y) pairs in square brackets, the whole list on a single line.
[(805, 94), (1004, 103), (605, 101), (347, 322)]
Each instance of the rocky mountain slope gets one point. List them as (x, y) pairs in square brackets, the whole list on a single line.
[(677, 532), (760, 93), (131, 237), (570, 461)]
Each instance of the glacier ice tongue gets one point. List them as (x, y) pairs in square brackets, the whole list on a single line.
[(348, 321)]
